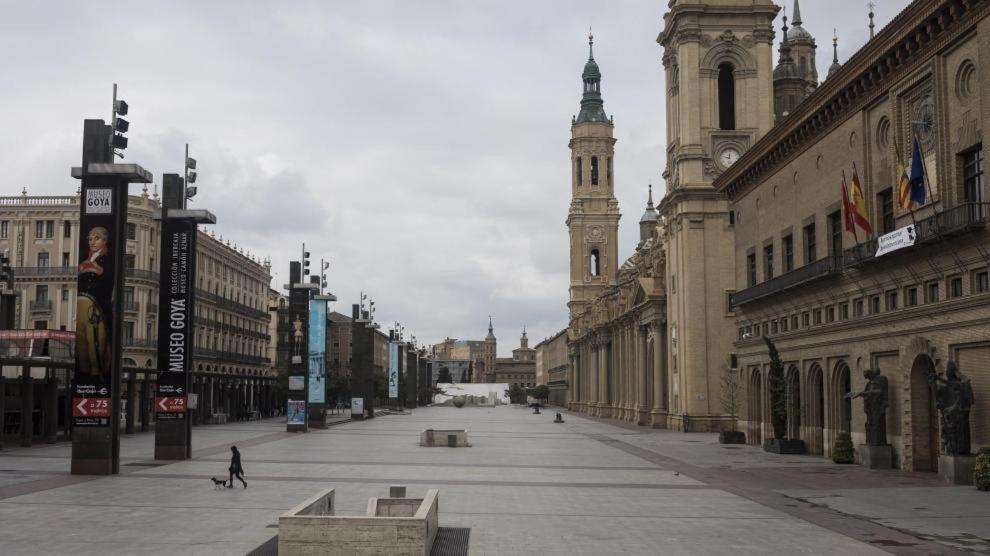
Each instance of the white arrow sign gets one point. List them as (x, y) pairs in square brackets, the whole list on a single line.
[(80, 407), (178, 390), (103, 391), (161, 404)]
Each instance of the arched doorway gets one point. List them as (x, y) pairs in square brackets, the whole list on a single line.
[(793, 390), (755, 409), (842, 405), (815, 418), (924, 426)]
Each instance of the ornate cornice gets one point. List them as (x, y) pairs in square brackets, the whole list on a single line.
[(907, 43)]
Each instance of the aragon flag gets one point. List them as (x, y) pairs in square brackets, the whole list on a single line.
[(904, 187), (846, 208)]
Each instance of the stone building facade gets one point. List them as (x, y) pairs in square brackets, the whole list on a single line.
[(520, 369), (552, 367), (650, 340), (831, 306), (232, 369)]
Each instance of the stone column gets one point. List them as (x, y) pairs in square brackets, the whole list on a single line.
[(3, 407), (27, 406), (644, 366), (49, 412), (143, 404), (131, 399)]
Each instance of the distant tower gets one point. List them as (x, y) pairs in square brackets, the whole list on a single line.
[(648, 223), (489, 353), (803, 48), (789, 87), (836, 66), (593, 219), (524, 341)]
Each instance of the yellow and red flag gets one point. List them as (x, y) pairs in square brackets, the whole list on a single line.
[(904, 186), (857, 205)]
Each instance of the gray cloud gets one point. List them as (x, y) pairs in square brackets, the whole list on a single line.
[(422, 146)]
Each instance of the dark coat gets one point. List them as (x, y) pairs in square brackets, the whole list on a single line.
[(235, 463)]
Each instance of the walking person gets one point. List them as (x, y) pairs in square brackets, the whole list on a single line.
[(235, 468)]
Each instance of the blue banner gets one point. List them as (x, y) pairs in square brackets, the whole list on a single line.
[(317, 350), (393, 369)]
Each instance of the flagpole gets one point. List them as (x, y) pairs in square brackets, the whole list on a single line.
[(902, 168), (924, 168), (848, 205)]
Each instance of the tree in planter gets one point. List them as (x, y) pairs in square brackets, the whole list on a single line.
[(517, 394), (842, 451), (731, 384), (541, 392), (778, 393), (981, 472), (444, 376)]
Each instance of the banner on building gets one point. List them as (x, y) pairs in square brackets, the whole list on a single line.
[(898, 239), (175, 326), (393, 369), (317, 350), (296, 412), (100, 239)]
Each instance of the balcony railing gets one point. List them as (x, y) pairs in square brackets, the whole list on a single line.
[(41, 305), (44, 271), (152, 308), (132, 306), (222, 356), (821, 268), (965, 217)]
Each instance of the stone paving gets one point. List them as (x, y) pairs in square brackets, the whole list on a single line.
[(526, 486)]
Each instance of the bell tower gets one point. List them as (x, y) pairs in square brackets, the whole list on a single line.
[(593, 218), (718, 63)]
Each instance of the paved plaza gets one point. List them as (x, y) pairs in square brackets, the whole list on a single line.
[(526, 486)]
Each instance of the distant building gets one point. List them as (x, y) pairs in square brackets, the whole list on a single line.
[(520, 369), (552, 366)]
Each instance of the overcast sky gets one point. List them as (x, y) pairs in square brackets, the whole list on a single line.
[(419, 145)]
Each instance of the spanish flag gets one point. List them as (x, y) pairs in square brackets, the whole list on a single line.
[(857, 205)]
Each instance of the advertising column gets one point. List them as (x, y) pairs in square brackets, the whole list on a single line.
[(176, 297), (317, 362), (393, 370), (296, 409)]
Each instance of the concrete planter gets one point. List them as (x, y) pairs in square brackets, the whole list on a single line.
[(785, 446), (459, 401), (732, 437)]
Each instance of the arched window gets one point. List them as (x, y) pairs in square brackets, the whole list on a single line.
[(578, 172), (802, 66), (726, 96), (594, 170), (595, 263)]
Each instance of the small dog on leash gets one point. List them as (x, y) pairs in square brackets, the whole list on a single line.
[(218, 483)]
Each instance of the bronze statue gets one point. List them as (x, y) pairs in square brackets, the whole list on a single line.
[(875, 406), (954, 398)]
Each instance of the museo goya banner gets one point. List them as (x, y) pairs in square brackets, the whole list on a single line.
[(175, 326), (100, 224), (317, 350), (393, 369)]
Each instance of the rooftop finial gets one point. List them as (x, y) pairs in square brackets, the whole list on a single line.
[(872, 8), (835, 46), (591, 44), (649, 199), (797, 13)]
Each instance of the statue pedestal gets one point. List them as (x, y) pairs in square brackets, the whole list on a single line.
[(956, 470), (877, 457)]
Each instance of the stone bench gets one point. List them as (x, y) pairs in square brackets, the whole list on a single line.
[(393, 526), (432, 438)]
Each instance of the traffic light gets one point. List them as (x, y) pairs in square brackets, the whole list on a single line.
[(190, 176), (118, 125), (305, 263), (323, 274)]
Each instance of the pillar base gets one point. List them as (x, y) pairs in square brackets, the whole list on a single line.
[(956, 470), (877, 457)]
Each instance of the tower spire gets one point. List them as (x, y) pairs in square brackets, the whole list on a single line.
[(872, 7), (649, 197), (835, 54), (591, 100), (797, 13)]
